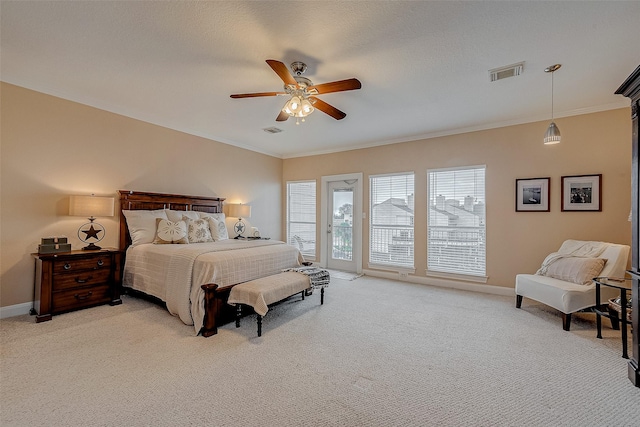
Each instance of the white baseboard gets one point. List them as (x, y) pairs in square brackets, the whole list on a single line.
[(443, 283), (15, 310)]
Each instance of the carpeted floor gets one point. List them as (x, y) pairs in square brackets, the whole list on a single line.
[(377, 353)]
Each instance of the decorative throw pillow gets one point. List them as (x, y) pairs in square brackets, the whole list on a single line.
[(575, 269), (142, 225), (173, 215), (198, 230), (218, 229), (171, 232), (217, 216)]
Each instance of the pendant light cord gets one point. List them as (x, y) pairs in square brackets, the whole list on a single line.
[(552, 95)]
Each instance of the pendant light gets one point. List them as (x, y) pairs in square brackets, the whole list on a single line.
[(553, 133)]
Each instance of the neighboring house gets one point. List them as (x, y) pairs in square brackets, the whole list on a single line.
[(392, 230), (449, 221), (456, 230)]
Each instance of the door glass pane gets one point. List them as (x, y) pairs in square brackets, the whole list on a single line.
[(342, 224)]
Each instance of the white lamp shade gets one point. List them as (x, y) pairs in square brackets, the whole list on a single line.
[(240, 211), (91, 206)]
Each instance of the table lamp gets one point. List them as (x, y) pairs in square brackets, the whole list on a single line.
[(239, 211), (91, 207)]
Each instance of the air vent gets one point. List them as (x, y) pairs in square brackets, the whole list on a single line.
[(272, 130), (506, 72)]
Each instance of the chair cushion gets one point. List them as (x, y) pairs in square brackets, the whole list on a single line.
[(565, 296)]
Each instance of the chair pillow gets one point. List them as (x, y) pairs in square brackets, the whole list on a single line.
[(575, 269), (171, 232)]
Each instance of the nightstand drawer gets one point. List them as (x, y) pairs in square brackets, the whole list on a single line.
[(81, 278), (71, 265), (82, 297)]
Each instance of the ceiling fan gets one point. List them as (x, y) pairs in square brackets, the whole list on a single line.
[(303, 92)]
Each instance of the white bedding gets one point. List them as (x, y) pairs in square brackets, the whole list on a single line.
[(174, 273)]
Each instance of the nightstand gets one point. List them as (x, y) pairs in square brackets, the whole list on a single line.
[(73, 280)]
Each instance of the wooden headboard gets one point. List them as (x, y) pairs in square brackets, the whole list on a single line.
[(135, 200)]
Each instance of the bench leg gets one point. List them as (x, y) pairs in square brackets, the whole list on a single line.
[(518, 301), (259, 325), (238, 314), (321, 296)]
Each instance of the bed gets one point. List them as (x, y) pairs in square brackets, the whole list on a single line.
[(194, 280)]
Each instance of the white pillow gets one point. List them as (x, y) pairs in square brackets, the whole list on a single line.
[(575, 269), (198, 230), (176, 216), (171, 232), (142, 225), (216, 216), (218, 229)]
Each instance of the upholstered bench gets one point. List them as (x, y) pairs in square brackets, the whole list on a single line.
[(262, 292)]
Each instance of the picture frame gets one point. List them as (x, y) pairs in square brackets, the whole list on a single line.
[(532, 194), (582, 193)]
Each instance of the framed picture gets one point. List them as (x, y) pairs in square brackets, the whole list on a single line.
[(582, 193), (532, 195)]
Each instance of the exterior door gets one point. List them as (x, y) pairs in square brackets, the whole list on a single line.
[(341, 213)]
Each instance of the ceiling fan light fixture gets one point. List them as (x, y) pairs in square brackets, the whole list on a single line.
[(307, 108), (298, 107), (303, 92)]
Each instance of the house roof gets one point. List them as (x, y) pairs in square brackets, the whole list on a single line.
[(424, 65), (397, 203)]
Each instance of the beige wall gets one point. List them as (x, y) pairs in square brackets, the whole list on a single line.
[(52, 148), (517, 242)]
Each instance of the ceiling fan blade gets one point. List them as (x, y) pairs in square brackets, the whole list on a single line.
[(338, 86), (253, 95), (326, 108), (282, 117), (282, 71)]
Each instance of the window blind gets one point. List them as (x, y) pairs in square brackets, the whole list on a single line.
[(391, 219), (456, 226), (301, 217)]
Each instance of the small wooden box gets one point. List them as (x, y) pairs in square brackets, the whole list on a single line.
[(53, 240), (54, 248)]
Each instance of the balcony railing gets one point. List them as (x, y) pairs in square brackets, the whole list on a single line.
[(342, 242), (457, 249), (392, 244)]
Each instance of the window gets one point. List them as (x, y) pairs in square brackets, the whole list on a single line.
[(301, 216), (456, 231), (391, 220)]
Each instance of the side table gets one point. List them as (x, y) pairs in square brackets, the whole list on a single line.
[(624, 285), (68, 281)]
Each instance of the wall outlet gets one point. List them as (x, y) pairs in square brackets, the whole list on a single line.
[(403, 275)]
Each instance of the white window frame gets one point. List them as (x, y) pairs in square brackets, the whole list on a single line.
[(305, 240), (399, 238), (470, 264)]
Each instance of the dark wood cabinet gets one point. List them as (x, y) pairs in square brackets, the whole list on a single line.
[(73, 280), (631, 89)]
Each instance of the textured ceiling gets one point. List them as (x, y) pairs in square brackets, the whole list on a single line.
[(423, 65)]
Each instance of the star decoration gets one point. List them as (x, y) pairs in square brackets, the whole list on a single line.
[(239, 227), (92, 232)]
